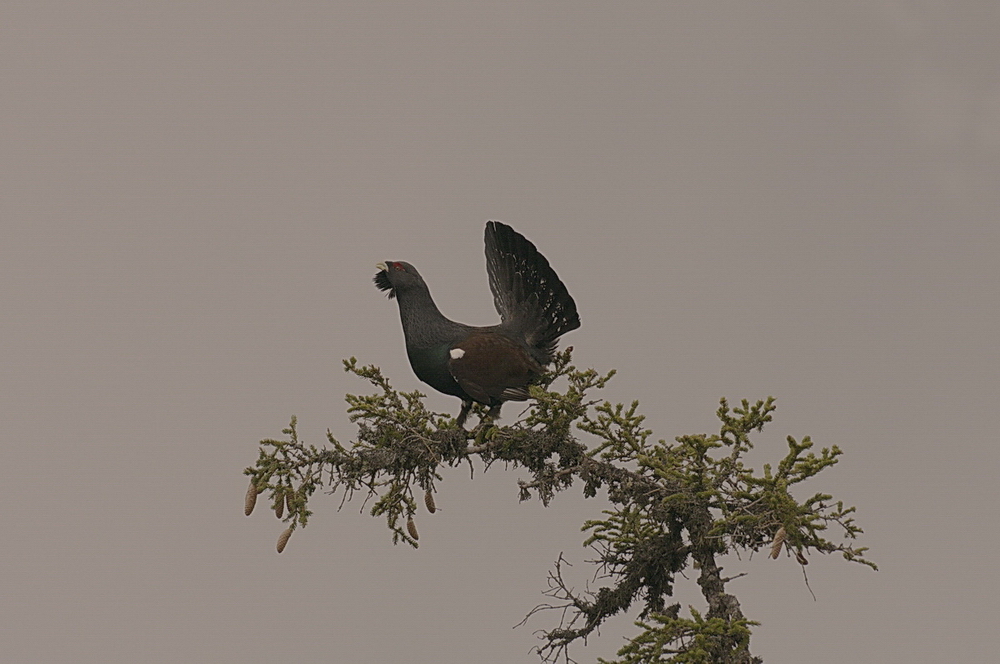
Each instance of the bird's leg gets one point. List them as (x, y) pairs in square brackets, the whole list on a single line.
[(463, 414), (492, 415)]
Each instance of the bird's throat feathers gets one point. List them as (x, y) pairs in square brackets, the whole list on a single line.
[(383, 284)]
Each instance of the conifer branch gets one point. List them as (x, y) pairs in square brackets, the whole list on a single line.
[(673, 505)]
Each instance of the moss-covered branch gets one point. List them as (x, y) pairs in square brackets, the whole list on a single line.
[(672, 505)]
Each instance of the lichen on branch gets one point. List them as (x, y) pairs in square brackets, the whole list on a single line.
[(672, 505)]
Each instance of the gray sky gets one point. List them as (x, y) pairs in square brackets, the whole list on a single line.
[(745, 199)]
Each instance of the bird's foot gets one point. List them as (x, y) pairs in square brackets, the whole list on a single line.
[(488, 420), (484, 432), (485, 424)]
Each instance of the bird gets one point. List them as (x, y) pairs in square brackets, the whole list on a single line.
[(493, 364)]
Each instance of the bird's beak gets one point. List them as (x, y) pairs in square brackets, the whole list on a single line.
[(382, 266)]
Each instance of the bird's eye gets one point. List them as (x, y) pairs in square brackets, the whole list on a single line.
[(398, 266)]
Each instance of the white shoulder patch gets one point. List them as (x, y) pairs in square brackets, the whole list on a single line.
[(456, 353)]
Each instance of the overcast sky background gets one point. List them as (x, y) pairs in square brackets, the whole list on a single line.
[(745, 199)]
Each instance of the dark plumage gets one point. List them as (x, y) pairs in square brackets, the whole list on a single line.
[(486, 364)]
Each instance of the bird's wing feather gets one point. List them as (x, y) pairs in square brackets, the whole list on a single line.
[(491, 368)]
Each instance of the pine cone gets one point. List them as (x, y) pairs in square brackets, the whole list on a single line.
[(283, 539), (251, 500), (779, 539)]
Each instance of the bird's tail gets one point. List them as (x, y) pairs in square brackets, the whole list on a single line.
[(528, 294)]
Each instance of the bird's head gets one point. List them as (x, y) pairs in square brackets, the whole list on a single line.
[(397, 276)]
